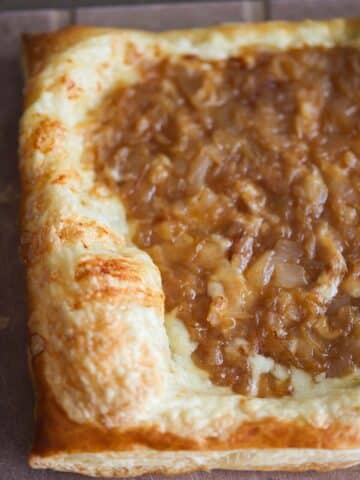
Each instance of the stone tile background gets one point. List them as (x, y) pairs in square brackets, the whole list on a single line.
[(16, 401)]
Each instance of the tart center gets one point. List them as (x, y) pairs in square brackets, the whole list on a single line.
[(241, 179)]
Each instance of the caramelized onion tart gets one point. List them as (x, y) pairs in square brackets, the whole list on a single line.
[(191, 232)]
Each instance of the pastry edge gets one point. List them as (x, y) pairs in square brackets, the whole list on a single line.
[(109, 464)]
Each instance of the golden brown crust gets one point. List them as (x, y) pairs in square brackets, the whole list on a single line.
[(57, 433), (102, 388), (37, 49)]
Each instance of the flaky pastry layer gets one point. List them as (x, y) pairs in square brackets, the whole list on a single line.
[(115, 394)]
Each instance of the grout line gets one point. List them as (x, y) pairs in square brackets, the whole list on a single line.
[(267, 9), (73, 15)]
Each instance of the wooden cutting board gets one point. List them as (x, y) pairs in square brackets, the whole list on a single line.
[(16, 401)]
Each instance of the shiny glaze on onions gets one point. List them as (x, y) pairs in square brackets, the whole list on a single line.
[(242, 181)]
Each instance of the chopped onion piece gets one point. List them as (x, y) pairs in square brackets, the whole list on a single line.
[(339, 301), (260, 272), (198, 171), (351, 285), (287, 251), (289, 275), (241, 252), (321, 326), (215, 289), (315, 191)]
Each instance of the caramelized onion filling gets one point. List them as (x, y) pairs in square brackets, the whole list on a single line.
[(242, 180)]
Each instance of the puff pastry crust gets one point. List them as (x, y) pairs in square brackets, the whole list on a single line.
[(116, 393)]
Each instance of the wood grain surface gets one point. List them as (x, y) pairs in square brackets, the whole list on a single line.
[(16, 401)]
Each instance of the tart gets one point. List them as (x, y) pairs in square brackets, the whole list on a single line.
[(190, 228)]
